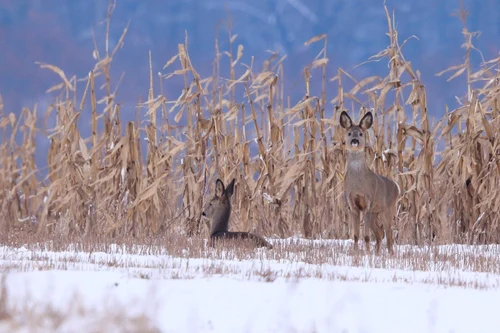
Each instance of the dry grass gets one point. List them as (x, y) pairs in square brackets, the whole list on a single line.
[(291, 259), (288, 160)]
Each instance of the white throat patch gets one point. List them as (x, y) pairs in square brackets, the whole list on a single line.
[(355, 164)]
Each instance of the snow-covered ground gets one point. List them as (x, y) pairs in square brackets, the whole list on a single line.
[(120, 291)]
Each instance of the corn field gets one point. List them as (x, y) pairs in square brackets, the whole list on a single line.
[(151, 178)]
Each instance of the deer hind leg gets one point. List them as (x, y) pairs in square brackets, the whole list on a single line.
[(259, 241)]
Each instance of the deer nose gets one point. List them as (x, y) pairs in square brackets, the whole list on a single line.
[(355, 142)]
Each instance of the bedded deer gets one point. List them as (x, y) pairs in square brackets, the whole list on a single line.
[(365, 191), (219, 210)]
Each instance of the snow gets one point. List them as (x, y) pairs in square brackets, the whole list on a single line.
[(185, 295)]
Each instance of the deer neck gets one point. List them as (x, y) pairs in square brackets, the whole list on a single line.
[(220, 220), (356, 161)]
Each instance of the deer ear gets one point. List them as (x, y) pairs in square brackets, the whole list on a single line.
[(367, 121), (345, 120), (230, 188), (219, 188)]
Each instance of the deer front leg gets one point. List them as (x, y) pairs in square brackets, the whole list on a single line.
[(378, 231), (370, 225), (354, 217), (355, 222), (388, 216)]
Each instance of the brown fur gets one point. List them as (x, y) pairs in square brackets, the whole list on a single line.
[(218, 210), (365, 191)]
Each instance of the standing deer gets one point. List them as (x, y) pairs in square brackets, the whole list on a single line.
[(219, 209), (366, 191)]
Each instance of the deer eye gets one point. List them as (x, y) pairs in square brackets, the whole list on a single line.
[(349, 133), (360, 134)]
